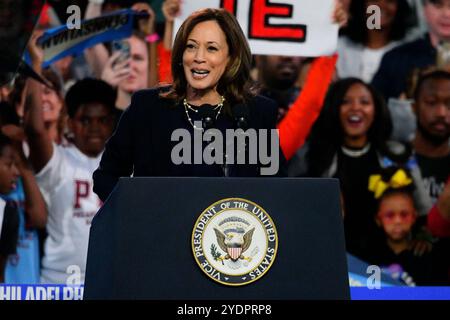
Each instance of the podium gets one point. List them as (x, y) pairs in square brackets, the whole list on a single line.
[(140, 240)]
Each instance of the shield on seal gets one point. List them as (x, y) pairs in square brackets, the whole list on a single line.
[(234, 252)]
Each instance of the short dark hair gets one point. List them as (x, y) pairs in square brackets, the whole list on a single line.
[(4, 142), (357, 29), (433, 75), (90, 90)]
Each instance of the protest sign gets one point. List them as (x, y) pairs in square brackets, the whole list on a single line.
[(278, 27), (61, 41)]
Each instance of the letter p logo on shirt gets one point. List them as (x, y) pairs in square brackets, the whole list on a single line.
[(81, 191)]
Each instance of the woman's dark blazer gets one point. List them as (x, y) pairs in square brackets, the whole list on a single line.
[(141, 144)]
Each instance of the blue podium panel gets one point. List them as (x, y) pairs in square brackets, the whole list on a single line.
[(401, 293), (140, 243)]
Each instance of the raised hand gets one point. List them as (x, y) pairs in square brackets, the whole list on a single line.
[(147, 26), (35, 50), (114, 72), (171, 9), (340, 15)]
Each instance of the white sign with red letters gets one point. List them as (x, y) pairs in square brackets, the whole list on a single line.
[(278, 27)]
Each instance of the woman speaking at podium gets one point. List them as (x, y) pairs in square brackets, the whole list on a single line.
[(211, 88)]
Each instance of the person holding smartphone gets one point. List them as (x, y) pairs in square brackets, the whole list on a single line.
[(131, 65)]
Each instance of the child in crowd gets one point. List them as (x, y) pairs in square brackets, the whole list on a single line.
[(64, 174), (9, 218), (396, 215), (24, 265)]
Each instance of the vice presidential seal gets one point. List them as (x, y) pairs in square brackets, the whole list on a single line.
[(234, 241)]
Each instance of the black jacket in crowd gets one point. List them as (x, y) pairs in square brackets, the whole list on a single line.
[(398, 65)]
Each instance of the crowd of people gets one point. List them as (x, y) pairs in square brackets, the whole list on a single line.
[(375, 115)]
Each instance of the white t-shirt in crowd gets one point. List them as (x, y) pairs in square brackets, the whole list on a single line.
[(2, 213), (66, 183), (356, 60)]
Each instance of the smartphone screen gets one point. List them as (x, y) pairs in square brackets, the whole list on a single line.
[(123, 47)]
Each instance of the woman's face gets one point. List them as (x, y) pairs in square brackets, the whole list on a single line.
[(388, 9), (51, 104), (357, 112), (138, 77), (205, 56)]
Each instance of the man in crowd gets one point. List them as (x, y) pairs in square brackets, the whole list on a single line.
[(432, 138), (278, 76)]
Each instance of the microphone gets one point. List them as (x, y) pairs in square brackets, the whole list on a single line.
[(208, 116), (240, 116)]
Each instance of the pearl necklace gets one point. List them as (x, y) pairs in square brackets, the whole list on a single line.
[(188, 106)]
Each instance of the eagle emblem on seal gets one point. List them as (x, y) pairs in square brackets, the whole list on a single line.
[(234, 237)]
